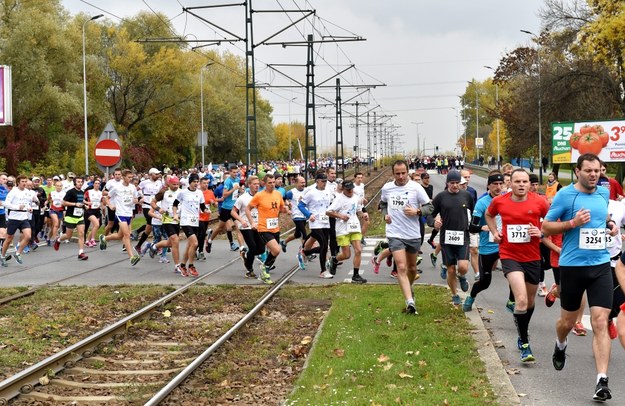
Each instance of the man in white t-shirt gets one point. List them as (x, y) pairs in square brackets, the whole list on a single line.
[(401, 202)]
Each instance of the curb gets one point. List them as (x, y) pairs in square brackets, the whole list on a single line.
[(497, 375)]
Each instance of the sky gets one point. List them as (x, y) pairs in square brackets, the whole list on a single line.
[(416, 60)]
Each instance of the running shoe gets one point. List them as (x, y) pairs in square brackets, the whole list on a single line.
[(144, 249), (331, 265), (88, 244), (152, 250), (18, 258), (3, 261), (283, 245), (467, 306), (264, 275), (389, 261), (510, 306), (82, 257), (394, 274), (363, 242), (57, 244), (358, 279), (519, 343), (326, 275), (579, 329), (602, 392), (163, 260), (123, 248), (178, 270), (612, 329), (8, 257), (300, 260), (250, 275), (411, 308), (558, 358), (102, 242), (550, 299), (192, 271), (183, 270), (431, 243), (376, 266), (262, 257), (134, 236), (464, 284), (209, 246), (234, 246), (26, 249), (134, 260), (33, 246), (93, 243), (443, 272), (200, 256), (138, 248), (419, 260), (311, 257), (542, 290), (433, 259), (455, 299), (526, 354)]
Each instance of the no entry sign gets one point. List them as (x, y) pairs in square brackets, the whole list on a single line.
[(108, 153)]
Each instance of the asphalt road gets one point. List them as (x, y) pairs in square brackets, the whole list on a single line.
[(537, 384)]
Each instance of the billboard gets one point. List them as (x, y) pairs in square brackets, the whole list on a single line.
[(605, 138), (6, 88)]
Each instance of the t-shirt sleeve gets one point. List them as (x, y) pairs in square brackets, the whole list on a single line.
[(493, 207), (556, 210)]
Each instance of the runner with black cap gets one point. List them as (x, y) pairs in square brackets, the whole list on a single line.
[(148, 188), (344, 208)]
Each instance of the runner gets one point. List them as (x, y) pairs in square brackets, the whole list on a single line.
[(455, 207), (74, 217), (584, 264), (189, 203), (314, 205), (162, 205), (108, 187), (122, 200), (55, 201), (269, 203), (293, 197), (93, 201), (344, 208), (209, 199), (488, 249), (359, 190), (148, 188), (18, 202), (519, 249), (252, 238), (400, 202), (4, 191), (231, 189)]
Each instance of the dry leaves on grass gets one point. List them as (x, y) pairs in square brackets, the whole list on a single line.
[(383, 358), (339, 352)]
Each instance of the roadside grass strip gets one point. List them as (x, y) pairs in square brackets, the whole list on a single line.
[(368, 352)]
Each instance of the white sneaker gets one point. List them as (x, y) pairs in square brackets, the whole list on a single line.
[(326, 275)]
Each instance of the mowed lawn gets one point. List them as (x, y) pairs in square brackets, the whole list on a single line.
[(369, 352)]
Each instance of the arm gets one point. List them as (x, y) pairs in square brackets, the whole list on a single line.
[(492, 226), (558, 227)]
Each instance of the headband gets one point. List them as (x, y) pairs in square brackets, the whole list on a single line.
[(495, 178)]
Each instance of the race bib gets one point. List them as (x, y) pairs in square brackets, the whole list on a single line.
[(127, 200), (78, 211), (398, 202), (592, 238), (193, 221), (610, 241), (255, 216), (518, 233), (353, 227), (272, 222), (454, 237), (57, 203), (324, 218), (95, 205)]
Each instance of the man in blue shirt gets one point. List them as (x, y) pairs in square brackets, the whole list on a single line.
[(231, 190), (580, 212)]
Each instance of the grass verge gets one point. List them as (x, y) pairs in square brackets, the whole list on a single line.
[(370, 352)]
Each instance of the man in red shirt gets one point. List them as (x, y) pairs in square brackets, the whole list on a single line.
[(519, 248)]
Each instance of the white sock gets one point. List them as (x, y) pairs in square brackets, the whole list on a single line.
[(410, 301), (601, 375), (561, 346)]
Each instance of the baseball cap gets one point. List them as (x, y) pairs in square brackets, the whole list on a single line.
[(348, 184), (174, 179), (322, 176), (453, 176), (71, 175), (339, 180), (154, 171), (463, 181), (425, 175), (56, 178), (36, 178)]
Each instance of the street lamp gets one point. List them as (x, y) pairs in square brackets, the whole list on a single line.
[(84, 89), (417, 124), (477, 117), (202, 109), (497, 118), (290, 145), (464, 147), (540, 138)]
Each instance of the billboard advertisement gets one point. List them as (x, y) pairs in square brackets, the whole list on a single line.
[(6, 106), (605, 138)]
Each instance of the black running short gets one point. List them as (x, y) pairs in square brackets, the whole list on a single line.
[(531, 269), (171, 229), (595, 280), (189, 231), (225, 215)]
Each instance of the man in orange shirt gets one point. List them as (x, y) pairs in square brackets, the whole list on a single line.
[(209, 199), (269, 203)]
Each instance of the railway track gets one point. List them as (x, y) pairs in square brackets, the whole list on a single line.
[(75, 368)]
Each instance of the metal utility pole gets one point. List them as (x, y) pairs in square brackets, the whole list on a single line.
[(369, 157), (310, 147), (339, 155)]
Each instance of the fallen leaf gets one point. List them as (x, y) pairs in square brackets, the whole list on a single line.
[(498, 344), (306, 340), (513, 371), (404, 375), (409, 352), (44, 380), (408, 363), (166, 313), (330, 371), (446, 402), (522, 395), (454, 389), (383, 358), (339, 352), (224, 383), (423, 364), (490, 311), (387, 366)]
